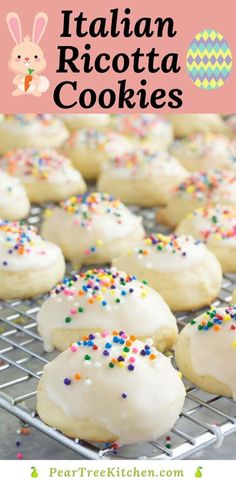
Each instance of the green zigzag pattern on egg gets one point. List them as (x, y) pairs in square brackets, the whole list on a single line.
[(209, 60)]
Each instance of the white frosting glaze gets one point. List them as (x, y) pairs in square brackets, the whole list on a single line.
[(214, 225), (44, 165), (104, 299), (168, 253), (140, 164), (135, 405), (12, 194), (213, 352), (22, 249), (89, 221)]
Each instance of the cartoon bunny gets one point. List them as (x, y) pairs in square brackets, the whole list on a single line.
[(27, 58)]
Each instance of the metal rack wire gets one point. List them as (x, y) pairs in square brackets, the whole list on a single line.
[(205, 419)]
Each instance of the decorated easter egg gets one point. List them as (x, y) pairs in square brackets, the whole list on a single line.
[(209, 60)]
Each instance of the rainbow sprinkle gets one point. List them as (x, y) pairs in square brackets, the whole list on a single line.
[(215, 318), (96, 286), (26, 119), (107, 345), (85, 207), (18, 238), (222, 222), (167, 243), (141, 126), (203, 185), (37, 163)]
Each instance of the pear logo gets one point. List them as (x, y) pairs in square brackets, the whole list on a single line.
[(34, 473), (198, 472)]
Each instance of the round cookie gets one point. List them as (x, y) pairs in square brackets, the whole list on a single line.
[(142, 178), (28, 265), (203, 151), (92, 228), (105, 299), (150, 131), (180, 268), (186, 124), (88, 149), (85, 121), (206, 351), (31, 130), (198, 190), (216, 226), (14, 203), (126, 392), (46, 175)]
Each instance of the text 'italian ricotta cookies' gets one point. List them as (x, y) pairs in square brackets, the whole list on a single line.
[(105, 299), (87, 121), (28, 265), (92, 228), (14, 203), (216, 226), (31, 130), (198, 190), (185, 124), (180, 268), (206, 351), (46, 175), (200, 152), (142, 178), (111, 388), (150, 131), (88, 149)]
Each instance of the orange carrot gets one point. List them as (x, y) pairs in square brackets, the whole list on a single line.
[(28, 79)]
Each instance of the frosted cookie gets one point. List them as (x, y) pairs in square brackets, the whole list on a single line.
[(198, 190), (14, 203), (88, 149), (216, 226), (141, 177), (185, 124), (200, 152), (105, 299), (28, 265), (180, 268), (111, 388), (31, 130), (146, 130), (46, 175), (85, 121), (92, 228), (206, 351)]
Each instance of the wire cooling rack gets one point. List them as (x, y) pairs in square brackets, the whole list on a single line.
[(205, 420)]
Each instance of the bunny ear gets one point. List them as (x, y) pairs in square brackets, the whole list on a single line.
[(39, 27), (14, 26)]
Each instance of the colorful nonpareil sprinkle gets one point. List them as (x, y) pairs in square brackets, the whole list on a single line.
[(207, 144), (171, 244), (95, 140), (105, 287), (117, 350), (87, 206), (136, 159), (221, 219), (26, 119), (204, 184), (141, 126), (215, 318), (35, 162), (18, 238)]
